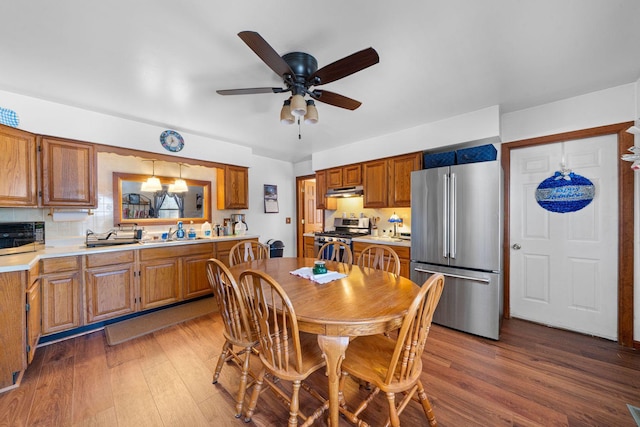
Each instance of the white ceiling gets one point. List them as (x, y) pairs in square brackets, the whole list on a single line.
[(161, 61)]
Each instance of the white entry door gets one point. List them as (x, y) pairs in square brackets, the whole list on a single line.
[(563, 267)]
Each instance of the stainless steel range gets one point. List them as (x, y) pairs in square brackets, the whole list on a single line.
[(344, 230)]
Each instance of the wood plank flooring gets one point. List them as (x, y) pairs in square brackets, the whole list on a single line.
[(533, 376)]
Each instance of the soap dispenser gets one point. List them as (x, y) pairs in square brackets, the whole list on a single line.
[(180, 231)]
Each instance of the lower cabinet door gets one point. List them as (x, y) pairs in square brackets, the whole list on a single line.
[(61, 302), (159, 284), (195, 282), (109, 292)]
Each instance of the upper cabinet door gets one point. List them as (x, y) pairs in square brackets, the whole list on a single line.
[(69, 173), (400, 169), (376, 184), (334, 178), (352, 175), (233, 187), (18, 186)]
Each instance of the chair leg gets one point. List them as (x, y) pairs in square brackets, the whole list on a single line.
[(295, 404), (426, 405), (393, 412), (243, 383), (254, 396), (223, 357)]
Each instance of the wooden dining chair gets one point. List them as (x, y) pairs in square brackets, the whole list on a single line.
[(394, 366), (380, 257), (336, 251), (238, 330), (285, 352), (248, 251)]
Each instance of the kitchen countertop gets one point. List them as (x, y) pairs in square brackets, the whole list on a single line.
[(382, 241), (375, 240), (25, 261)]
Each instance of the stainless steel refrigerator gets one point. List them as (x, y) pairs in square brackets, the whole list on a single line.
[(456, 230)]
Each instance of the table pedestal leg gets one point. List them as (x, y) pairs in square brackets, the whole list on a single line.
[(333, 349)]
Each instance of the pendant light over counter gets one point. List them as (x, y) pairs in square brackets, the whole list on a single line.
[(152, 184), (179, 185)]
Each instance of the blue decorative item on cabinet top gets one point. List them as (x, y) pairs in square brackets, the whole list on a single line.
[(9, 117), (437, 160), (564, 192), (481, 153)]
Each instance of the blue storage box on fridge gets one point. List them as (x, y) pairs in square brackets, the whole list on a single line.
[(482, 153), (439, 159)]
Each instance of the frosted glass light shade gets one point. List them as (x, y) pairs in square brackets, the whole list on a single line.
[(298, 106), (311, 118), (179, 186), (151, 184), (286, 118)]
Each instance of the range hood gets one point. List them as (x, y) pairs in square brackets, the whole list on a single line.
[(356, 191)]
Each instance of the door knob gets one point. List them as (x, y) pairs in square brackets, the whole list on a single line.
[(516, 246)]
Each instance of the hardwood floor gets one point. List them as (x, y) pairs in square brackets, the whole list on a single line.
[(533, 376)]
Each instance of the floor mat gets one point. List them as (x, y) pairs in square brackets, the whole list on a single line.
[(133, 328)]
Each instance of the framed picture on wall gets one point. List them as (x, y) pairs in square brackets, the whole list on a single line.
[(270, 198)]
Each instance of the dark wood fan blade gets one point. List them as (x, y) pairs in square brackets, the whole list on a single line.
[(345, 66), (250, 91), (335, 99), (264, 50)]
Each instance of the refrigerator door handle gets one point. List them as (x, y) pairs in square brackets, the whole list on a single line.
[(453, 216), (445, 215), (457, 276)]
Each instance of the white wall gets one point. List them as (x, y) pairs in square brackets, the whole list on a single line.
[(273, 225), (605, 107)]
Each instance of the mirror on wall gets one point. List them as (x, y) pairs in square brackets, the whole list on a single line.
[(132, 205)]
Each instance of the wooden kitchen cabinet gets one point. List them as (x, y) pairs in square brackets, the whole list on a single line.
[(400, 168), (195, 282), (375, 178), (321, 189), (159, 277), (345, 176), (34, 311), (109, 285), (232, 187), (404, 254), (69, 173), (12, 327), (309, 247), (18, 163), (60, 294)]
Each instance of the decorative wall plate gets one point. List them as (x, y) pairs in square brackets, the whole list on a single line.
[(172, 140)]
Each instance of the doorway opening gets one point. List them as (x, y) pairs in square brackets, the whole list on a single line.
[(310, 219)]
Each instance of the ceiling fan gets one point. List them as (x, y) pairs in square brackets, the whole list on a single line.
[(300, 74)]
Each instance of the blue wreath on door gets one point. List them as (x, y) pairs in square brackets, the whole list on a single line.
[(564, 192)]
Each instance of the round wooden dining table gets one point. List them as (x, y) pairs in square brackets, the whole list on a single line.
[(365, 302)]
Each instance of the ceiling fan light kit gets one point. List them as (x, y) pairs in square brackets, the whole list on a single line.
[(311, 118), (299, 72), (298, 106), (286, 118)]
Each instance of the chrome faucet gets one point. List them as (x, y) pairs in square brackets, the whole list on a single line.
[(171, 233)]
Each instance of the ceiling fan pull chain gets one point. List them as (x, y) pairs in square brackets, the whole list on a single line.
[(299, 133)]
